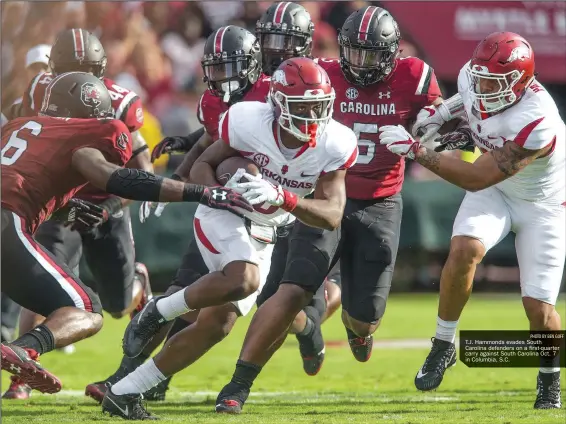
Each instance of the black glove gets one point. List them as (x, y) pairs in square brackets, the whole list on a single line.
[(224, 198), (458, 139), (176, 144), (81, 215)]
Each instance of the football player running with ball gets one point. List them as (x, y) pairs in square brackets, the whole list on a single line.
[(517, 184)]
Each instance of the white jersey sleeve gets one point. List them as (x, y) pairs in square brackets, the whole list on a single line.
[(463, 80), (533, 130), (239, 125), (341, 147)]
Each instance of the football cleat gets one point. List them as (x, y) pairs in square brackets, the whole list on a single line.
[(361, 347), (312, 351), (127, 406), (23, 363), (142, 329), (232, 398), (442, 356), (18, 389), (157, 393), (143, 277), (548, 391)]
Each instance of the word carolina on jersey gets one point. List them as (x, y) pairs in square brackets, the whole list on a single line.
[(285, 181), (368, 109)]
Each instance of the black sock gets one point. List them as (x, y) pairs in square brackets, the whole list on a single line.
[(178, 325), (39, 339), (245, 373), (309, 328)]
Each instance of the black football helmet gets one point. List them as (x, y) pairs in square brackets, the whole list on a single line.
[(284, 30), (77, 50), (369, 44), (77, 95), (231, 62)]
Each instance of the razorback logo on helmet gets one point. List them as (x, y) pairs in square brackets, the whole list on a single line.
[(519, 53), (122, 141), (90, 95), (480, 68), (279, 77)]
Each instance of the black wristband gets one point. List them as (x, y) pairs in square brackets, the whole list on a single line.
[(176, 177), (112, 205), (193, 192), (135, 184)]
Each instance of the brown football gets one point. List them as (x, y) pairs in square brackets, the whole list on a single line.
[(227, 168)]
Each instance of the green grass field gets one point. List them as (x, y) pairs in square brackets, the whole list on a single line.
[(345, 391)]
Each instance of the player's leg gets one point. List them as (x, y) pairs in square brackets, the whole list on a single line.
[(483, 220), (541, 249), (371, 238), (227, 249), (9, 314), (191, 269), (110, 255), (333, 292), (38, 281), (311, 252)]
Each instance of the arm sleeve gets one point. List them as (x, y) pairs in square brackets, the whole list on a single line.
[(427, 90), (536, 134), (130, 111), (346, 156)]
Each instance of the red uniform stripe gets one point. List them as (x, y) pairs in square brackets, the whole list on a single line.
[(366, 19), (521, 138), (202, 237), (279, 12), (79, 44), (218, 40), (224, 130)]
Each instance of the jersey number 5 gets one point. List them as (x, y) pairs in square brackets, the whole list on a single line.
[(16, 146), (366, 148)]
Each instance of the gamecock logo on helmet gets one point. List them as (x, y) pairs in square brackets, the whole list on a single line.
[(519, 53), (279, 76), (90, 95)]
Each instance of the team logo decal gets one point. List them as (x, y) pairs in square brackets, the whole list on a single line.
[(260, 160), (352, 93), (284, 169), (90, 95), (279, 76), (122, 141), (218, 194), (386, 94), (519, 53)]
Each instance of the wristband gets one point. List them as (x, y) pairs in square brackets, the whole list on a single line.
[(290, 201), (193, 192)]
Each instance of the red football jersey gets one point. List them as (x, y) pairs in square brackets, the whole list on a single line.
[(37, 173), (396, 100), (211, 107), (126, 104)]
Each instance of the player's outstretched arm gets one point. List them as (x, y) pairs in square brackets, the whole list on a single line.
[(203, 170), (141, 185), (176, 144)]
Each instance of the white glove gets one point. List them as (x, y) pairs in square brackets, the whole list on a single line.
[(146, 208), (159, 208), (258, 190), (398, 140), (429, 120), (234, 181)]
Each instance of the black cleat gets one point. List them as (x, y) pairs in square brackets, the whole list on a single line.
[(157, 393), (442, 356), (232, 398), (548, 391), (141, 330), (312, 350), (128, 406), (97, 389), (361, 347)]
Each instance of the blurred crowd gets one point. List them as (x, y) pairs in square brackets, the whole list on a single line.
[(153, 48)]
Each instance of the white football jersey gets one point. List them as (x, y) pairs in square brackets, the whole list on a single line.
[(533, 123), (249, 127)]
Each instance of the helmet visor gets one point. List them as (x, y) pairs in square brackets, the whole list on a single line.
[(281, 42), (225, 70), (365, 58)]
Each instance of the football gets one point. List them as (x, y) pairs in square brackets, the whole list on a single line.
[(227, 168)]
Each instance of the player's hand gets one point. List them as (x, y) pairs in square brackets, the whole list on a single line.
[(83, 216), (235, 180), (429, 120), (398, 141), (258, 190), (168, 145), (224, 198), (458, 139)]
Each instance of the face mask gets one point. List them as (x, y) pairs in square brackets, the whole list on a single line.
[(228, 88)]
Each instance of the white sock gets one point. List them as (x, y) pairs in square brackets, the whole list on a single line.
[(550, 370), (140, 380), (446, 330), (172, 306)]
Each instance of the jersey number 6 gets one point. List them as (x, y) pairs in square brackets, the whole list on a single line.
[(366, 148), (16, 146)]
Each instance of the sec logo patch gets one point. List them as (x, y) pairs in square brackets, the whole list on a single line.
[(352, 93)]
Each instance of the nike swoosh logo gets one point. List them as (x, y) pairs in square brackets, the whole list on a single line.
[(124, 411), (420, 373), (306, 175)]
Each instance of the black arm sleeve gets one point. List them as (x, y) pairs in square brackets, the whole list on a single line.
[(192, 139), (135, 184)]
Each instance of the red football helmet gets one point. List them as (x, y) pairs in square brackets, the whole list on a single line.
[(301, 80), (501, 70)]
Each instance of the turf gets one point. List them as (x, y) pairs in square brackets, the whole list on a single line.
[(345, 391)]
